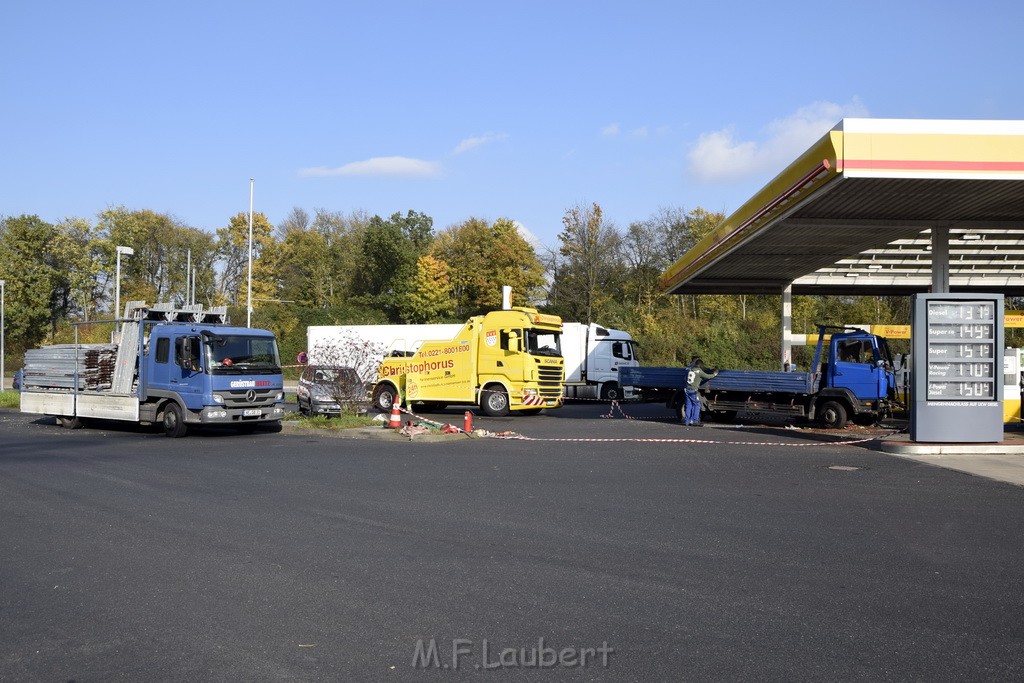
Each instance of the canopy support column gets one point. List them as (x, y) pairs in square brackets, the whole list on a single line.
[(940, 260), (787, 326)]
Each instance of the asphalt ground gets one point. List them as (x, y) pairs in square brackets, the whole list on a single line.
[(125, 555)]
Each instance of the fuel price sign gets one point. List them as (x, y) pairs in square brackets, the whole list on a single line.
[(957, 341), (961, 350)]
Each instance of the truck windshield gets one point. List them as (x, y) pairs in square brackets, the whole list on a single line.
[(236, 354), (539, 343)]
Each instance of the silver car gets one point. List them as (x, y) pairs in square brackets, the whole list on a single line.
[(331, 391)]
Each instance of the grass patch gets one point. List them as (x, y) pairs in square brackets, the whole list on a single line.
[(10, 399), (323, 422)]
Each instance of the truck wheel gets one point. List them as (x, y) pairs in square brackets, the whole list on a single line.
[(174, 423), (384, 397), (832, 415), (69, 422), (610, 391), (494, 401)]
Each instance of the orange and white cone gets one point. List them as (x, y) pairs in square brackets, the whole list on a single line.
[(396, 415)]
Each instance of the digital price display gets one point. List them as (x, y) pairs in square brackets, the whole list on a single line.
[(961, 335), (957, 383)]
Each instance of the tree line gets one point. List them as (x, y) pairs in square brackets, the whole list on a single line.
[(326, 268)]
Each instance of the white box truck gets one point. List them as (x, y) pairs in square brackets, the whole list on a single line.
[(593, 355)]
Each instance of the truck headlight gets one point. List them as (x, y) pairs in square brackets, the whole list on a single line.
[(217, 398), (279, 396)]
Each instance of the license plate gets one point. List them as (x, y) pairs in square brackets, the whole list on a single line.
[(252, 412)]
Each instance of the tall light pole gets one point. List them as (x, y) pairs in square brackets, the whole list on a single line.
[(127, 251), (3, 292), (248, 303)]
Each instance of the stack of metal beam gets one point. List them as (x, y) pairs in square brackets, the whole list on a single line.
[(54, 367)]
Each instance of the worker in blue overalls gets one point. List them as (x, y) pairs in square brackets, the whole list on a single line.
[(694, 376)]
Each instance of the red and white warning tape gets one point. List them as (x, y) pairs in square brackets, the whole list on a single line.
[(512, 436), (519, 437)]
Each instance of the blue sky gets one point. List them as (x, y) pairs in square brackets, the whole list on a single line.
[(460, 109)]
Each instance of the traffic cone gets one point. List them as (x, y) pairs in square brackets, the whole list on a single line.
[(396, 415)]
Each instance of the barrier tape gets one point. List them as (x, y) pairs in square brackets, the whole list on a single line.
[(512, 436), (615, 406), (520, 437)]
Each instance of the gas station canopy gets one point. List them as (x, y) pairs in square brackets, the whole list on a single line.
[(870, 209)]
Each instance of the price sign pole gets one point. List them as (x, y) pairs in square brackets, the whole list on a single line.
[(957, 356)]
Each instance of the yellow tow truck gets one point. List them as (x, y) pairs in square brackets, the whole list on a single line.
[(504, 361)]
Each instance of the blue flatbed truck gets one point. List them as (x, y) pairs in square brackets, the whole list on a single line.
[(856, 381), (176, 367)]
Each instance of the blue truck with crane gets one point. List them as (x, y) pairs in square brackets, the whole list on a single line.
[(853, 379)]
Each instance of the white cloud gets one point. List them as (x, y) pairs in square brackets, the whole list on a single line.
[(530, 238), (640, 132), (610, 129), (719, 156), (470, 143), (391, 166)]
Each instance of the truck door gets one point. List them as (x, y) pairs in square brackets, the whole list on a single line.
[(856, 368), (501, 353), (158, 363)]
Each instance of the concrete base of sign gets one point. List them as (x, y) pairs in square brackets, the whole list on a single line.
[(1002, 461)]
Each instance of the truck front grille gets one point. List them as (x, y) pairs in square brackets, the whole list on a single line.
[(238, 398), (550, 380)]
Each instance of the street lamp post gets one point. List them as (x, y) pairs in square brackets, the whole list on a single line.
[(248, 304), (127, 251)]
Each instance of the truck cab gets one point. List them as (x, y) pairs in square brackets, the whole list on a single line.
[(504, 361), (225, 375), (858, 375)]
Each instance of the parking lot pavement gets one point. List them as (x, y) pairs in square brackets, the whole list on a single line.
[(273, 556)]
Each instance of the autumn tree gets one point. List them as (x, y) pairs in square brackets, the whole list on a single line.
[(429, 299), (485, 256), (389, 251), (319, 258), (587, 268), (28, 267), (77, 248), (233, 251)]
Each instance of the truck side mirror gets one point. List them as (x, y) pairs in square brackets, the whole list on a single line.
[(185, 355), (513, 342)]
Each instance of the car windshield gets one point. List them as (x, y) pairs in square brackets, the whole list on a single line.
[(237, 354), (325, 375)]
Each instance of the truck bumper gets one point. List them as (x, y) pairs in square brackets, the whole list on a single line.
[(222, 415)]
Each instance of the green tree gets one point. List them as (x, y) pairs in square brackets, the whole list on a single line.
[(319, 258), (388, 254), (233, 251), (158, 270), (430, 297), (77, 248), (588, 267), (485, 256), (31, 293)]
